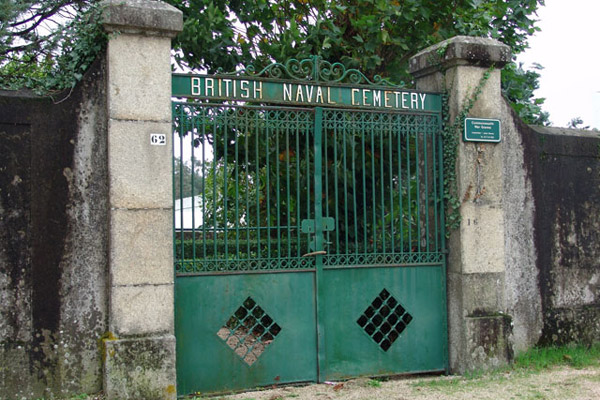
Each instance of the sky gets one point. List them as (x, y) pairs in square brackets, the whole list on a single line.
[(568, 47)]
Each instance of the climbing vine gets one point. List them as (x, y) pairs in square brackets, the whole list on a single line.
[(451, 133)]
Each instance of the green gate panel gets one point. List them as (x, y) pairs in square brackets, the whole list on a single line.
[(267, 316), (309, 242), (382, 321)]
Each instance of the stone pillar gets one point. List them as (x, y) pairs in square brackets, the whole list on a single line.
[(139, 349), (479, 330)]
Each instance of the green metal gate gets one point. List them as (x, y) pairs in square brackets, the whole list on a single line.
[(309, 237)]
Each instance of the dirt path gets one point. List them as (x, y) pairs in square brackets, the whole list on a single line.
[(561, 383)]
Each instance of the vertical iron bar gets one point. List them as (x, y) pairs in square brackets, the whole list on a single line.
[(214, 185), (373, 189), (345, 172), (391, 172), (287, 185), (362, 133), (381, 182), (236, 165), (181, 231), (435, 187), (440, 170), (173, 184), (324, 132), (277, 132), (256, 158), (308, 175), (409, 183), (401, 133), (181, 210), (225, 194), (426, 183), (204, 142), (336, 183), (192, 193), (247, 183), (268, 184), (418, 127), (354, 204), (298, 201)]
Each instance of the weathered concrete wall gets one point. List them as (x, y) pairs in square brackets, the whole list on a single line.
[(86, 265), (53, 240), (521, 290), (552, 246), (565, 172)]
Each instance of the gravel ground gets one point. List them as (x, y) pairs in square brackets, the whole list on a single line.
[(561, 383)]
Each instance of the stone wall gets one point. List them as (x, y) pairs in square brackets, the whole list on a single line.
[(552, 233), (564, 165), (53, 239), (86, 264), (521, 292), (524, 265)]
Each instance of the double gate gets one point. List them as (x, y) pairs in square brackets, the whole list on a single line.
[(309, 238)]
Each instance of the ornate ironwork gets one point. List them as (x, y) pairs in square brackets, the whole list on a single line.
[(314, 70)]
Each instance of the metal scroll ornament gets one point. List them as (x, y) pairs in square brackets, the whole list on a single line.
[(315, 69)]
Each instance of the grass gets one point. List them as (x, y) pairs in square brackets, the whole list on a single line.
[(374, 383), (532, 361), (541, 358)]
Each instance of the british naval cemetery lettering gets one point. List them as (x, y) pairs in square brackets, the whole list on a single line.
[(268, 91)]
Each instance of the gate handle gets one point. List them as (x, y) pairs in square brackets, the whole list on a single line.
[(315, 253)]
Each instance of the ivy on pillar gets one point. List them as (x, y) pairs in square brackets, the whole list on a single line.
[(467, 69)]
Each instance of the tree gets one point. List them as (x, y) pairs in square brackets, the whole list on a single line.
[(47, 45), (375, 36), (518, 86)]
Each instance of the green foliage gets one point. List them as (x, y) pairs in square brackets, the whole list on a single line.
[(518, 86), (575, 355), (450, 136), (577, 123), (373, 383), (375, 36), (39, 53), (532, 361)]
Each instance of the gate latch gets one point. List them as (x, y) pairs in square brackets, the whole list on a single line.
[(308, 225)]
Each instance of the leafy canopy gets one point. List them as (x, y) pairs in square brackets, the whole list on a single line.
[(376, 36), (48, 44)]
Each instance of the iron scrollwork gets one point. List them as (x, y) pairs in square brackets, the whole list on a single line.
[(314, 70)]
